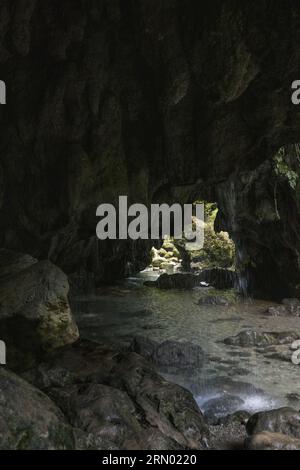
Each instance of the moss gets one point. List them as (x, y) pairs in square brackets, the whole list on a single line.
[(218, 249), (283, 167)]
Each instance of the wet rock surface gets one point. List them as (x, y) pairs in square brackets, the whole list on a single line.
[(282, 420), (271, 441), (250, 338), (177, 281), (220, 406), (216, 277), (119, 396), (219, 278), (272, 345), (169, 353), (289, 307), (35, 316), (29, 419)]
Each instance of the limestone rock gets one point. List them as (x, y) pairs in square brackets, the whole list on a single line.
[(177, 281), (119, 396), (169, 353), (272, 441), (35, 316), (29, 419), (221, 406), (282, 420)]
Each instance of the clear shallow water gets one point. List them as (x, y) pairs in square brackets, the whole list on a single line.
[(115, 315)]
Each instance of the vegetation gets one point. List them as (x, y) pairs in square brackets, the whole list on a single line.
[(218, 249), (283, 164)]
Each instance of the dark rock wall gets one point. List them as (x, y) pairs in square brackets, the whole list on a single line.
[(158, 100)]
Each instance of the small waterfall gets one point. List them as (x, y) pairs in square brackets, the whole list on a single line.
[(242, 278), (242, 284), (228, 195)]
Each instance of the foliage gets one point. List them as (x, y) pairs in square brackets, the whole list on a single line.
[(218, 249), (283, 168)]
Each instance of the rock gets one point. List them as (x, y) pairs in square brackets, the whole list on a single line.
[(271, 441), (220, 406), (35, 316), (227, 436), (29, 419), (104, 412), (12, 263), (278, 311), (161, 252), (240, 416), (168, 246), (295, 397), (282, 420), (169, 353), (150, 284), (168, 266), (177, 281), (169, 255), (157, 262), (219, 278), (118, 395), (281, 353), (166, 258), (250, 338), (293, 305), (289, 307)]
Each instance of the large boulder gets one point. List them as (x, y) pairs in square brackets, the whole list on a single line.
[(178, 281), (221, 406), (216, 277), (282, 420), (219, 278), (35, 316), (272, 441), (104, 412), (119, 395), (169, 352), (28, 418)]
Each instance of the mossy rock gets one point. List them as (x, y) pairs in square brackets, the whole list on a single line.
[(168, 245)]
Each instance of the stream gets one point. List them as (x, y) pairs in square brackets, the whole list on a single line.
[(236, 378)]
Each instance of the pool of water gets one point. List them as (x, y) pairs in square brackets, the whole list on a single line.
[(116, 314)]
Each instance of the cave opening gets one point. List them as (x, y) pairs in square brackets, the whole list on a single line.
[(175, 255)]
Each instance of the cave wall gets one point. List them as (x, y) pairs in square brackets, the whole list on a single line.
[(157, 100)]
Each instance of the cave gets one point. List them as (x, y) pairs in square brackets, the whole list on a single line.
[(168, 102)]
